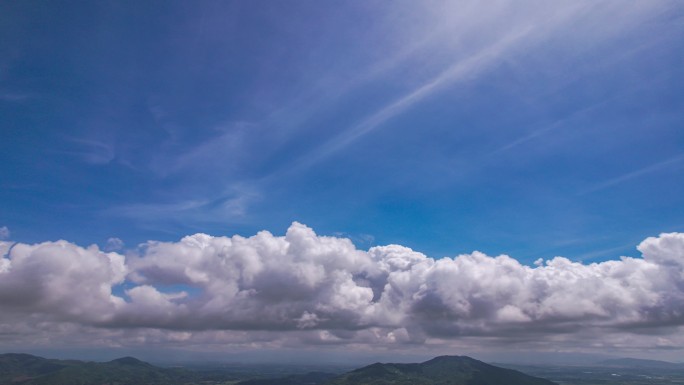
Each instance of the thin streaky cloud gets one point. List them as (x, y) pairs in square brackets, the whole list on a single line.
[(231, 205), (526, 138), (297, 112), (459, 71), (634, 174), (582, 112), (601, 253), (462, 70), (326, 93), (14, 97), (546, 129)]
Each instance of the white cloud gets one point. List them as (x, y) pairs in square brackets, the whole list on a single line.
[(303, 288), (114, 244), (4, 233), (59, 281)]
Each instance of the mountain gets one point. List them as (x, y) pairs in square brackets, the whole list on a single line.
[(25, 369), (444, 370), (129, 361), (639, 363)]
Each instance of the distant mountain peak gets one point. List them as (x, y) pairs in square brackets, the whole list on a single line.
[(22, 356), (451, 359), (132, 361), (455, 370)]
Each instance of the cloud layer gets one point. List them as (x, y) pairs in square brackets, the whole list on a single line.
[(302, 288)]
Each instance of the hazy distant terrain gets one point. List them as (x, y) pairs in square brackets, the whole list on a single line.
[(622, 371), (25, 369)]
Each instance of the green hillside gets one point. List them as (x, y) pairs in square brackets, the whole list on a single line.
[(445, 370), (25, 369)]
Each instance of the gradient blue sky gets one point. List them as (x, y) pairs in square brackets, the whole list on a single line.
[(535, 129)]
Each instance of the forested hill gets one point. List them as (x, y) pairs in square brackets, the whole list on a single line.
[(25, 369), (444, 370)]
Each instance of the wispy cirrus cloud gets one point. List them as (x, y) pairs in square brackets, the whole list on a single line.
[(462, 70), (449, 45), (518, 37), (14, 97), (656, 167), (229, 207)]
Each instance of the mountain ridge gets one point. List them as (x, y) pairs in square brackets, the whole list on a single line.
[(442, 370), (25, 369)]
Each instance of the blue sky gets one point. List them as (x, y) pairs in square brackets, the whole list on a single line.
[(534, 130), (531, 129)]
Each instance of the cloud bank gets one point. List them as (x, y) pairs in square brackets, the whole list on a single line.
[(306, 289)]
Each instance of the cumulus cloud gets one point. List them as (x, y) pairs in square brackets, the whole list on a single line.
[(310, 289), (60, 281)]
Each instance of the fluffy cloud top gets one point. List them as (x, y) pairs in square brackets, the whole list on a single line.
[(318, 289)]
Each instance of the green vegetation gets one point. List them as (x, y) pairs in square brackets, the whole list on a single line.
[(26, 369)]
